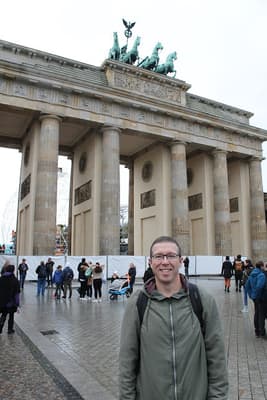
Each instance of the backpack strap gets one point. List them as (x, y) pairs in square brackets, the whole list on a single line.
[(195, 299), (141, 304), (196, 304)]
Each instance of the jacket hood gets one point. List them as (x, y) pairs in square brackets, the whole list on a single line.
[(256, 271)]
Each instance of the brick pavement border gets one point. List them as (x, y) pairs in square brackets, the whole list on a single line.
[(66, 372)]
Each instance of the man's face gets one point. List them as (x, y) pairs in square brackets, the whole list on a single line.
[(165, 268)]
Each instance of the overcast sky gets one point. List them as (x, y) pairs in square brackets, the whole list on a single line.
[(221, 47)]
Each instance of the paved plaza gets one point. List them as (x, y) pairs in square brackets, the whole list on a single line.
[(68, 349)]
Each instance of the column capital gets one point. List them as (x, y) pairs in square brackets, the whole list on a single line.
[(106, 128), (256, 158), (50, 116), (219, 151), (177, 142)]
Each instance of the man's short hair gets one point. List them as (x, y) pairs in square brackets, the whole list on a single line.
[(259, 264), (163, 239)]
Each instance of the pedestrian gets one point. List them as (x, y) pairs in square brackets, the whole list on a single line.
[(97, 282), (263, 301), (148, 274), (186, 267), (22, 268), (67, 278), (227, 273), (131, 276), (9, 298), (49, 272), (169, 357), (248, 267), (83, 261), (41, 278), (89, 283), (238, 266), (254, 286), (82, 279), (58, 281)]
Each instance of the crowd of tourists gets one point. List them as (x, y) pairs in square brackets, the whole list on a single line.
[(253, 281)]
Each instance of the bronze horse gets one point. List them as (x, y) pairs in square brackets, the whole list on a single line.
[(152, 62), (168, 66), (131, 56), (114, 52)]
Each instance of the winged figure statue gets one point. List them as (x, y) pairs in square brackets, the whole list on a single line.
[(128, 25)]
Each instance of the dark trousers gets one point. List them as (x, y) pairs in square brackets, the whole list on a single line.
[(67, 285), (22, 277), (238, 279), (131, 283), (49, 276), (259, 317), (10, 320), (83, 288), (58, 290), (97, 288)]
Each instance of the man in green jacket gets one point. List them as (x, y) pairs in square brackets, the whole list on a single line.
[(167, 356)]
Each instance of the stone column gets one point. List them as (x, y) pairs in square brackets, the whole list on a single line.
[(179, 197), (110, 192), (223, 239), (131, 210), (46, 187), (70, 208), (257, 212)]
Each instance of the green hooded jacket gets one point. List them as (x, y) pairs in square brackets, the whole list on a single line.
[(167, 357)]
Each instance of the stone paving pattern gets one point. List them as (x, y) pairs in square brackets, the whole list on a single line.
[(81, 360)]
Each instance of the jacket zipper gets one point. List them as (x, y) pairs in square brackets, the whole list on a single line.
[(173, 353)]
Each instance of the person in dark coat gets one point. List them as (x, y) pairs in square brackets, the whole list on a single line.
[(9, 297), (132, 274), (186, 267), (238, 265), (254, 287), (148, 274), (23, 268), (227, 273), (49, 271)]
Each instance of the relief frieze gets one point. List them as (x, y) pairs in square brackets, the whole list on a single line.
[(2, 85), (151, 89), (158, 119), (141, 116), (20, 89), (64, 98), (106, 108), (42, 93)]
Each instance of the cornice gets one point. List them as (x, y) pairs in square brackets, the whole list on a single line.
[(31, 53), (219, 105)]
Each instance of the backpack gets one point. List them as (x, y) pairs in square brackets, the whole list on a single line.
[(238, 265), (195, 299), (89, 272), (41, 271), (68, 275)]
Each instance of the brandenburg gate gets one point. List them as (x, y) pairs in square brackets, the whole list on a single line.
[(194, 164)]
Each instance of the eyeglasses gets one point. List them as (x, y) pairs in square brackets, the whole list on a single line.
[(169, 257)]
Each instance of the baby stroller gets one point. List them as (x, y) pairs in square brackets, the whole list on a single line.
[(119, 287)]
